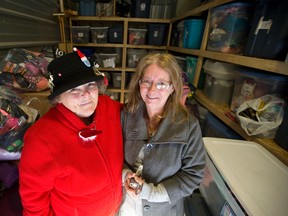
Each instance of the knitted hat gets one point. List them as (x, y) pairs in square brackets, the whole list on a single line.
[(69, 71)]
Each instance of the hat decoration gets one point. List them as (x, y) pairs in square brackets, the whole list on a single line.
[(88, 64), (82, 57)]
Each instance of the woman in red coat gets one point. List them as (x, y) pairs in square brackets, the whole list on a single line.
[(72, 157)]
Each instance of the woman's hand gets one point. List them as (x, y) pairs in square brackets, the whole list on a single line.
[(133, 184)]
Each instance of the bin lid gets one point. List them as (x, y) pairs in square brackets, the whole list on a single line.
[(256, 177), (220, 70)]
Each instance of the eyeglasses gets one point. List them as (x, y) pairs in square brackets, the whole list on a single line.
[(90, 87), (159, 85)]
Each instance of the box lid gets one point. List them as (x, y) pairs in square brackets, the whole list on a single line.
[(220, 70), (256, 177)]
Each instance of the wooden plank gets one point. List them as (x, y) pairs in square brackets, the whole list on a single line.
[(258, 63)]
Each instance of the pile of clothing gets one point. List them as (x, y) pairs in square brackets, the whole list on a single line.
[(24, 70), (15, 118)]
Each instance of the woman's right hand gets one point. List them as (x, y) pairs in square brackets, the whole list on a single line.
[(135, 188)]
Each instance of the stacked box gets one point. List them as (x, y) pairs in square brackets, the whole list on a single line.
[(134, 55), (115, 34), (80, 34), (137, 36), (229, 27), (87, 7), (156, 34), (193, 32), (99, 34), (140, 8), (251, 84), (219, 83), (108, 60)]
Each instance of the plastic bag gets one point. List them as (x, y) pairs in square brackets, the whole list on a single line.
[(24, 70), (262, 116)]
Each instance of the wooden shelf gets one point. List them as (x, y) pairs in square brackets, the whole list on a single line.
[(220, 110), (257, 63), (272, 66)]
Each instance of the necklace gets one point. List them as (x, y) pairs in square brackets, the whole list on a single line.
[(152, 126), (151, 131)]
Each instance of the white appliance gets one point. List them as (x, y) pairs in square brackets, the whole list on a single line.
[(243, 178)]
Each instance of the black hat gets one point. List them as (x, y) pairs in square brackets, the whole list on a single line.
[(69, 71)]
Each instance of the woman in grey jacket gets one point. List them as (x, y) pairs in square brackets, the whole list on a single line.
[(164, 153)]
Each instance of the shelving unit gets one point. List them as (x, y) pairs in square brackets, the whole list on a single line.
[(258, 63), (271, 66), (126, 22)]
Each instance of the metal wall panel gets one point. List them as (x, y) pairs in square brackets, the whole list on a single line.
[(28, 23)]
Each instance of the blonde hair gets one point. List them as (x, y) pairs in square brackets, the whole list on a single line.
[(168, 63)]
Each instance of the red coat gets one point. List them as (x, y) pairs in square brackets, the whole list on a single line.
[(61, 176)]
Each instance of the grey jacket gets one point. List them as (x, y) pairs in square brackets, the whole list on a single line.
[(173, 157)]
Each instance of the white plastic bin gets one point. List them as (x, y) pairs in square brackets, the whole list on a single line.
[(219, 83), (243, 178)]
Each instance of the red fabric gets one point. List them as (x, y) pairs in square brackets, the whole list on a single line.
[(61, 176)]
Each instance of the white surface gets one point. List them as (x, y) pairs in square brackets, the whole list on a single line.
[(256, 177)]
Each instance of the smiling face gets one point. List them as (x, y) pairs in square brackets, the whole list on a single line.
[(81, 100), (154, 98)]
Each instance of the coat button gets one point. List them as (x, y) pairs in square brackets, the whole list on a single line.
[(149, 146), (146, 208)]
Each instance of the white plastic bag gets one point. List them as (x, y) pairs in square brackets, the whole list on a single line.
[(261, 117)]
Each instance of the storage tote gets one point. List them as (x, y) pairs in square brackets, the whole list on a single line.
[(220, 79), (156, 34), (229, 27), (99, 34), (87, 7), (193, 33), (268, 37), (251, 83), (140, 8), (137, 36), (80, 34), (115, 34)]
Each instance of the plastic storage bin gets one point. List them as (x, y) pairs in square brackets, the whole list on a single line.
[(134, 55), (269, 31), (140, 8), (108, 60), (87, 7), (156, 33), (137, 36), (216, 128), (243, 178), (115, 34), (219, 83), (251, 84), (99, 34), (117, 79), (80, 34), (229, 27), (193, 32)]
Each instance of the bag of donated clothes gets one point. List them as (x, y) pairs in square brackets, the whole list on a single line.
[(261, 117)]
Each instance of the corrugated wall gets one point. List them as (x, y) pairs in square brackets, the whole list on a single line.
[(28, 23)]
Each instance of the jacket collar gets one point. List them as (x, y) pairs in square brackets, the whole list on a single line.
[(168, 131)]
